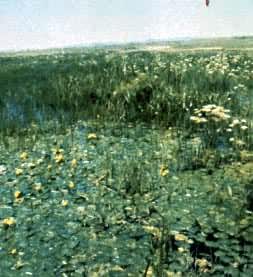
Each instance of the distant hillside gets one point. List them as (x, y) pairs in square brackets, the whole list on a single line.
[(231, 42)]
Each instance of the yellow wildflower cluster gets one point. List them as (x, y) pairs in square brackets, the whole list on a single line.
[(212, 112), (220, 64)]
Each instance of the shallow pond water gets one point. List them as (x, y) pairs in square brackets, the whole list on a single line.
[(99, 199)]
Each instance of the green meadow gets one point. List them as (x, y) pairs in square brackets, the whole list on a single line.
[(127, 161)]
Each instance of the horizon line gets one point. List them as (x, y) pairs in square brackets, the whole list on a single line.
[(122, 43)]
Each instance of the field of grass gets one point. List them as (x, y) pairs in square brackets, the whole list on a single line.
[(126, 163)]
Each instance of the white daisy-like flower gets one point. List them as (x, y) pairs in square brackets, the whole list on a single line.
[(244, 127)]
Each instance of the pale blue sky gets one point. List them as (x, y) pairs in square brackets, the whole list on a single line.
[(54, 23)]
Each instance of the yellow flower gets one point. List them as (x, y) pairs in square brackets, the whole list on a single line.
[(152, 230), (13, 251), (198, 120), (49, 167), (181, 250), (17, 194), (74, 163), (18, 171), (59, 158), (92, 136), (150, 272), (164, 171), (23, 156), (71, 185), (181, 237), (190, 241), (64, 203), (37, 186), (10, 221), (202, 264), (216, 113)]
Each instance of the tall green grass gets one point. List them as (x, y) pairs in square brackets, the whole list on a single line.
[(162, 88)]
